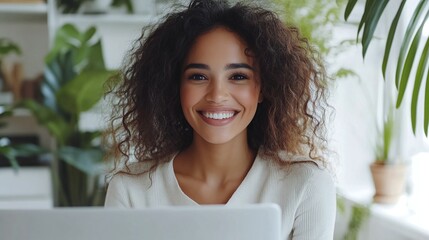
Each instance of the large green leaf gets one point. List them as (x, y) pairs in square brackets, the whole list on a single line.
[(88, 34), (95, 58), (423, 64), (55, 124), (58, 72), (409, 33), (390, 37), (90, 57), (83, 50), (408, 65), (66, 38), (365, 15), (371, 23), (83, 92), (89, 161), (350, 5)]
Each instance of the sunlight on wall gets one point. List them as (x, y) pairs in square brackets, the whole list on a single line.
[(419, 177)]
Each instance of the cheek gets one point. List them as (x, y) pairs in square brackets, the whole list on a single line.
[(249, 97), (188, 96)]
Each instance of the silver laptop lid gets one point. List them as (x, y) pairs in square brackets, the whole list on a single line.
[(210, 222)]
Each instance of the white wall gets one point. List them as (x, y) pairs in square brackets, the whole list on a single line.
[(31, 34), (355, 103)]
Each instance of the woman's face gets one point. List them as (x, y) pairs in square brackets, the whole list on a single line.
[(220, 87)]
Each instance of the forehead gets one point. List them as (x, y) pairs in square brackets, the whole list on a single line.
[(219, 43)]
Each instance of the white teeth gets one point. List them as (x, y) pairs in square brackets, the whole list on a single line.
[(218, 116)]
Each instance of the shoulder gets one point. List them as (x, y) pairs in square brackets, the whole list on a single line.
[(133, 182), (298, 167), (311, 171), (137, 168), (138, 173), (141, 167), (315, 202), (301, 175), (132, 175)]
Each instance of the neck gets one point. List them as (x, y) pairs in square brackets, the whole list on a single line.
[(217, 162)]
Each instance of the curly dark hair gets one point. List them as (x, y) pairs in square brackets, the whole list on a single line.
[(148, 122)]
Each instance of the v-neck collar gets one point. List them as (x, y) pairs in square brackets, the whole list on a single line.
[(185, 199)]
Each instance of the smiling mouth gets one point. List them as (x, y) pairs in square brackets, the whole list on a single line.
[(218, 115)]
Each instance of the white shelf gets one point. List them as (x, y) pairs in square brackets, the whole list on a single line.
[(30, 187), (387, 219), (26, 8), (107, 18)]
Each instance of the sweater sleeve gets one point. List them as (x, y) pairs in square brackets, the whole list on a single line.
[(315, 215), (116, 195)]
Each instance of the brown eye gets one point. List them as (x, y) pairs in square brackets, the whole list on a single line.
[(239, 77), (197, 77)]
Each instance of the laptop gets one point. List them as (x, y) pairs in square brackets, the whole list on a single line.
[(207, 222)]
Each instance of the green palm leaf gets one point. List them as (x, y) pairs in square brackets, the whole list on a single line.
[(391, 36), (376, 10), (350, 5), (409, 33), (368, 6), (423, 64), (408, 65)]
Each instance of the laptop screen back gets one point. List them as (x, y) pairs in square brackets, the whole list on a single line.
[(210, 222)]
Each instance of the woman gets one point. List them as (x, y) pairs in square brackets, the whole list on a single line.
[(224, 105)]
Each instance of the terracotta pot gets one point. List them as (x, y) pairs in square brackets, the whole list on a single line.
[(389, 182)]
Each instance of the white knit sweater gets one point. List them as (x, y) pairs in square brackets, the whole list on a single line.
[(305, 194)]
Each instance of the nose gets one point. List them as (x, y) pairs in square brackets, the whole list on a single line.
[(217, 92)]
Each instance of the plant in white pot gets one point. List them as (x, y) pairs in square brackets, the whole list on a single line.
[(408, 69)]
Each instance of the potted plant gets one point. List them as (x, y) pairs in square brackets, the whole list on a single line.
[(388, 172), (73, 83)]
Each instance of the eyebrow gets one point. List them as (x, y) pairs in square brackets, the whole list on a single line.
[(227, 67), (238, 65)]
